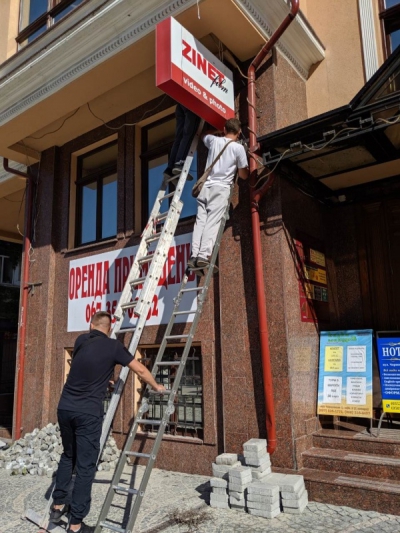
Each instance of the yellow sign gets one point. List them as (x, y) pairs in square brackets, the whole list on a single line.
[(317, 257), (391, 406), (333, 358), (315, 274)]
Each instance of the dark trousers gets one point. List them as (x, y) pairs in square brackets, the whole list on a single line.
[(186, 127), (80, 434)]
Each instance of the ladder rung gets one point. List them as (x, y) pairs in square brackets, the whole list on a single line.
[(162, 216), (168, 363), (149, 421), (138, 281), (128, 305), (123, 489), (184, 312), (138, 454), (146, 259), (192, 289), (126, 330), (154, 237), (112, 527), (169, 337), (167, 196), (153, 392)]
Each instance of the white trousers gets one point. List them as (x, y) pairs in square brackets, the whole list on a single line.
[(211, 205)]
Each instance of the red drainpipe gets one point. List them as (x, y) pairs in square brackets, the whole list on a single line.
[(24, 298), (256, 195)]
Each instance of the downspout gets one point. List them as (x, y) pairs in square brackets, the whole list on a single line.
[(255, 197), (24, 297)]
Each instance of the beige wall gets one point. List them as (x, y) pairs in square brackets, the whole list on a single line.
[(9, 13), (336, 80)]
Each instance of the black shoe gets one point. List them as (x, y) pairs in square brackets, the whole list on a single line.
[(202, 263), (56, 514), (192, 263), (178, 167), (168, 172), (84, 529)]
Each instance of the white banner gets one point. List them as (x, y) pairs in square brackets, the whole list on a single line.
[(96, 283)]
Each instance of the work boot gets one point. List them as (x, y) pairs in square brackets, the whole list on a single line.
[(192, 263), (202, 262), (178, 167), (56, 514)]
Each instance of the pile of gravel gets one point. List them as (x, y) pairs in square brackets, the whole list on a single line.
[(38, 453)]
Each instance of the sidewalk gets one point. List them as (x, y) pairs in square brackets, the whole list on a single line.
[(169, 499)]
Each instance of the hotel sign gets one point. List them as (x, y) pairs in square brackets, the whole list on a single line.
[(188, 72), (388, 346)]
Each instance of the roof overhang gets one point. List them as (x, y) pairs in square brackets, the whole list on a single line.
[(347, 147)]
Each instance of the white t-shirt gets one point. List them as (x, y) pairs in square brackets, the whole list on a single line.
[(224, 170)]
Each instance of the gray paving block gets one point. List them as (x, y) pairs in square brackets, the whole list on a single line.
[(236, 487), (255, 455), (219, 505), (259, 461), (274, 479), (255, 445), (261, 468), (293, 495), (220, 471), (218, 497), (258, 476), (260, 487), (227, 459), (218, 482), (296, 504), (295, 510), (265, 514), (292, 483), (264, 506), (235, 501), (219, 490), (238, 495), (238, 508), (242, 473), (263, 498)]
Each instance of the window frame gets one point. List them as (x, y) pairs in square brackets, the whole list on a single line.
[(97, 177), (54, 7), (390, 22), (15, 271)]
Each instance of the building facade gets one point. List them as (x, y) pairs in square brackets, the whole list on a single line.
[(79, 107)]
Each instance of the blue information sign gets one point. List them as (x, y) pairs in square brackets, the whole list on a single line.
[(388, 346)]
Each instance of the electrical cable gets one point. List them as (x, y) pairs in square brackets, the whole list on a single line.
[(57, 129)]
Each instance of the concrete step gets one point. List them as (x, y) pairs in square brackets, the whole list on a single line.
[(361, 464), (360, 492), (388, 443)]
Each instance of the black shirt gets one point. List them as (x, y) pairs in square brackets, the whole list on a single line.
[(93, 361)]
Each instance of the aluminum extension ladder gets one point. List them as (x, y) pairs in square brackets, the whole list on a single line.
[(138, 494), (140, 299)]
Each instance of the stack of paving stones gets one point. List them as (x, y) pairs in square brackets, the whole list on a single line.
[(38, 453), (245, 483)]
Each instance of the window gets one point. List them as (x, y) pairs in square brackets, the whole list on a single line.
[(187, 420), (157, 139), (96, 195), (9, 274), (390, 17), (36, 16)]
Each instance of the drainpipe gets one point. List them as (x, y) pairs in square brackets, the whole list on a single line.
[(24, 297), (256, 195)]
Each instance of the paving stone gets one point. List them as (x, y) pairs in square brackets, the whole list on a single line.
[(263, 461), (263, 488), (264, 506), (293, 495), (219, 490), (265, 514), (238, 487), (262, 498), (258, 476), (240, 473), (296, 503), (218, 482), (227, 459), (255, 445), (218, 497)]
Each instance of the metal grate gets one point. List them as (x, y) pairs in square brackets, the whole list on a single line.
[(187, 421)]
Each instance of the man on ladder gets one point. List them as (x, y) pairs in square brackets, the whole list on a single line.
[(80, 415), (225, 157)]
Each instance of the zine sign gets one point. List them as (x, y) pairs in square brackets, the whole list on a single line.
[(345, 373), (96, 283), (192, 75), (388, 345)]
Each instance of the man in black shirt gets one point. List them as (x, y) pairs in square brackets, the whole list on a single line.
[(80, 415)]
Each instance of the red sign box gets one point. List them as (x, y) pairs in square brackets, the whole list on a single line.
[(188, 72)]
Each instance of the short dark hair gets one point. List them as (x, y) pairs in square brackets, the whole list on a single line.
[(98, 318), (232, 125)]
